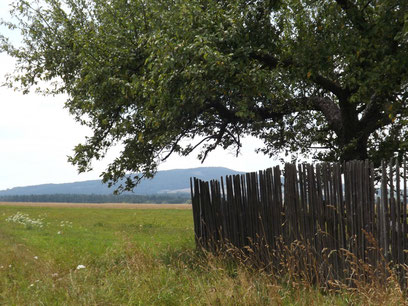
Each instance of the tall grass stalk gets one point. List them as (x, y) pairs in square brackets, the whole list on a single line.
[(149, 258), (297, 267)]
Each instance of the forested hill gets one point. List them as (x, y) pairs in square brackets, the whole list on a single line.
[(165, 182)]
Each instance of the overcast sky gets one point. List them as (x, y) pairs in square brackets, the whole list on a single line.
[(37, 134)]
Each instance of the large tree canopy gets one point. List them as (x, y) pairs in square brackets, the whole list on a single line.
[(150, 74)]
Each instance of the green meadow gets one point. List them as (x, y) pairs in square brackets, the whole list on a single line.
[(100, 256)]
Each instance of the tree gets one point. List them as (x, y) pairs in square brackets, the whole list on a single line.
[(151, 75)]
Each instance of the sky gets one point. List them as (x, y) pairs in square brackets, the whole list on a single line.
[(37, 134)]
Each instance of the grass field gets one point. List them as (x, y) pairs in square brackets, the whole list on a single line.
[(107, 256)]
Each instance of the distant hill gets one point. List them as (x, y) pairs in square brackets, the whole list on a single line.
[(165, 182)]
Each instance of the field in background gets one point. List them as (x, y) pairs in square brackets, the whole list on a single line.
[(102, 205), (106, 256)]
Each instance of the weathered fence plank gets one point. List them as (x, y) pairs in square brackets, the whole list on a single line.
[(328, 207)]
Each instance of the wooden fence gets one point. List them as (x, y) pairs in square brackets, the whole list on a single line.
[(338, 213)]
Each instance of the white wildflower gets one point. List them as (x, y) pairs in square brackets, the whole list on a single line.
[(25, 220), (66, 224), (35, 257)]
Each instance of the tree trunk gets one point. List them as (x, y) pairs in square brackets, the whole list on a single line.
[(353, 142), (356, 149)]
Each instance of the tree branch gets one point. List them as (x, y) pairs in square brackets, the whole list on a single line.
[(327, 106), (373, 117), (330, 110), (218, 138), (174, 146), (353, 14), (223, 111), (332, 86), (272, 63)]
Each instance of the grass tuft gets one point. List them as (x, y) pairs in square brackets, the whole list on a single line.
[(149, 257)]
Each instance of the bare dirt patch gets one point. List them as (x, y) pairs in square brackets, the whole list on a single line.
[(100, 205)]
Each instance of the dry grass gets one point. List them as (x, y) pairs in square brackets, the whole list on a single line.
[(295, 268), (133, 258)]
